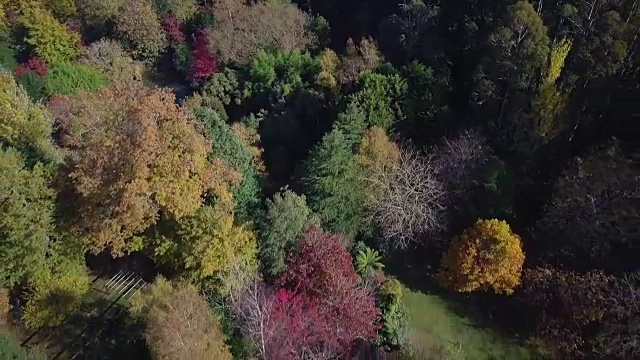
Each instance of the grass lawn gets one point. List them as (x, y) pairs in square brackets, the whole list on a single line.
[(433, 324)]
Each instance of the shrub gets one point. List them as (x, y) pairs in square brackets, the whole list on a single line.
[(69, 79)]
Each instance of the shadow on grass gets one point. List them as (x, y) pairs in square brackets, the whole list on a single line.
[(416, 270)]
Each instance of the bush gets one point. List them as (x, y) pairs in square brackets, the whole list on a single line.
[(11, 350), (69, 79)]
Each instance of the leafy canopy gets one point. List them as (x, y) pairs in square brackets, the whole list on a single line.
[(487, 255)]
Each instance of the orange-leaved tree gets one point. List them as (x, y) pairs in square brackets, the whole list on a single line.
[(133, 154), (488, 255)]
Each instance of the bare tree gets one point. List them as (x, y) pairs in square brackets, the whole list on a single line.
[(621, 328), (412, 202), (253, 308), (458, 160)]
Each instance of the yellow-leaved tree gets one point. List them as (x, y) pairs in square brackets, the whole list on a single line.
[(378, 156), (208, 247), (133, 154), (488, 255)]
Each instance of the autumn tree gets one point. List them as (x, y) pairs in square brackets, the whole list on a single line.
[(26, 220), (550, 99), (280, 323), (110, 58), (488, 255), (51, 40), (322, 269), (23, 124), (589, 220), (207, 247), (179, 323), (378, 156), (140, 27), (334, 185), (132, 154), (287, 218), (358, 59), (411, 202), (243, 29)]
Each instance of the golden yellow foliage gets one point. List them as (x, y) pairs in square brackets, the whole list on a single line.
[(487, 255), (209, 248), (378, 156), (557, 55)]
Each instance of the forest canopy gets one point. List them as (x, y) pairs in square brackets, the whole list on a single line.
[(278, 179)]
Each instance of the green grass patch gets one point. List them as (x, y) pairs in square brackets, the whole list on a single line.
[(434, 329)]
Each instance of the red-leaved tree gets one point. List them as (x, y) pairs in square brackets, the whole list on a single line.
[(204, 64), (321, 270), (280, 323), (174, 30)]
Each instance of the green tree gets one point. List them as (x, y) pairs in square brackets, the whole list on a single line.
[(26, 217), (183, 10), (179, 323), (71, 78), (230, 148), (381, 98), (23, 124), (352, 122), (51, 40), (98, 11), (487, 255), (287, 218), (334, 185), (277, 74), (425, 104)]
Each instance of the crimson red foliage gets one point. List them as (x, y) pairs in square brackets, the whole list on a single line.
[(320, 270), (36, 64), (204, 64), (174, 29)]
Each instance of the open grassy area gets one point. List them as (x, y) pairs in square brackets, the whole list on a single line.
[(433, 324)]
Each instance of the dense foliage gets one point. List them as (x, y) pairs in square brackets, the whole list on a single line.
[(296, 174)]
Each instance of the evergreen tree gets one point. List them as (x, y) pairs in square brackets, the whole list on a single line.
[(335, 186)]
